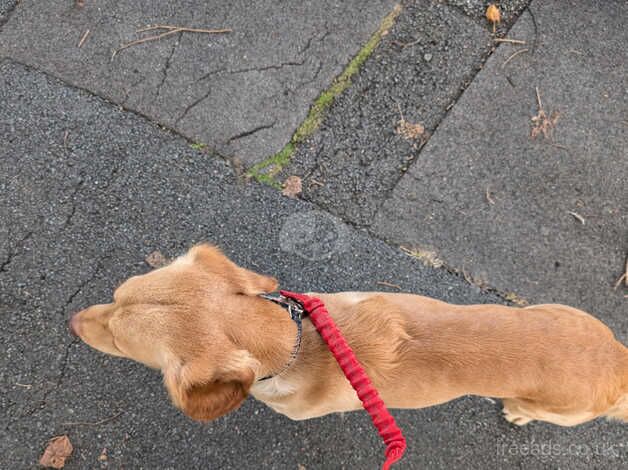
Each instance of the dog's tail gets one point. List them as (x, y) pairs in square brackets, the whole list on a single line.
[(619, 410)]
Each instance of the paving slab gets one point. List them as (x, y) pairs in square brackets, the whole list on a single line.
[(352, 163), (86, 192), (243, 93), (546, 218)]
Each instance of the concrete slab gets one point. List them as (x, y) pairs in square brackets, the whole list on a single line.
[(243, 93), (554, 224), (352, 163), (84, 208)]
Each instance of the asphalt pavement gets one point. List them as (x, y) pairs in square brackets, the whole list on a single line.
[(100, 165)]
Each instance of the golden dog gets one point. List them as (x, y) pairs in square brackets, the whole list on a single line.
[(201, 321)]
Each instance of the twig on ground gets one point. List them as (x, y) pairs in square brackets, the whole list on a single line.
[(514, 54), (65, 140), (170, 30), (488, 196), (314, 182), (623, 277), (577, 216), (510, 41), (467, 277), (538, 98), (183, 29), (403, 45), (562, 147), (26, 386), (95, 423), (83, 39), (388, 284)]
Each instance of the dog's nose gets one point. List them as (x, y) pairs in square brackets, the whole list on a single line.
[(73, 325)]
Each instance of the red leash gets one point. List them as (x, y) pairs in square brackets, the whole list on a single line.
[(353, 370)]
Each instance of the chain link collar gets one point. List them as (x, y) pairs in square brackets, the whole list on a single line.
[(295, 310)]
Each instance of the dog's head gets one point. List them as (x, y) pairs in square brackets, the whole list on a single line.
[(183, 319)]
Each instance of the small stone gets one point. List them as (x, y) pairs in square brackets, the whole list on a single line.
[(427, 57)]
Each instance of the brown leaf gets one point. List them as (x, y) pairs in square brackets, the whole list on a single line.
[(542, 124), (58, 450), (292, 187), (493, 14), (103, 455), (156, 259), (408, 130)]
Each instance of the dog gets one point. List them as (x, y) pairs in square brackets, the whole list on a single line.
[(202, 321)]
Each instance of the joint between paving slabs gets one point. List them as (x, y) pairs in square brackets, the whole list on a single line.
[(265, 171), (431, 259), (160, 125), (465, 84)]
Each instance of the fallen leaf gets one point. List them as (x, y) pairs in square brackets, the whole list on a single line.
[(493, 14), (292, 187), (58, 450), (103, 455), (156, 259), (542, 124), (408, 130)]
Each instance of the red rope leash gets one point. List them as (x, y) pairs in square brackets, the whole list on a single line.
[(353, 370)]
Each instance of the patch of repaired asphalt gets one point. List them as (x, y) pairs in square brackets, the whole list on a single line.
[(546, 218), (355, 159), (244, 93)]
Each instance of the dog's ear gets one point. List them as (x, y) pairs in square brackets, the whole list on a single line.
[(243, 281), (204, 396)]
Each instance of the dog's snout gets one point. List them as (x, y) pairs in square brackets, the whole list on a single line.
[(73, 325)]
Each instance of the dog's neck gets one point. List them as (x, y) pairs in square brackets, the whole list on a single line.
[(266, 320)]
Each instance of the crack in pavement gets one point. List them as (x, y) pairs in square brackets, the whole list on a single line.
[(251, 132), (231, 72), (68, 219), (292, 63), (64, 360), (167, 64), (12, 254)]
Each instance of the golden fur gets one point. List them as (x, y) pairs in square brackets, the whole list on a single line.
[(201, 322)]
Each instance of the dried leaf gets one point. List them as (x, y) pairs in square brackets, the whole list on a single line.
[(58, 450), (493, 14), (156, 259), (408, 130), (103, 455), (292, 187), (542, 124)]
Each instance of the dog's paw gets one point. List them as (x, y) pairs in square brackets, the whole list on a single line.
[(515, 418)]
